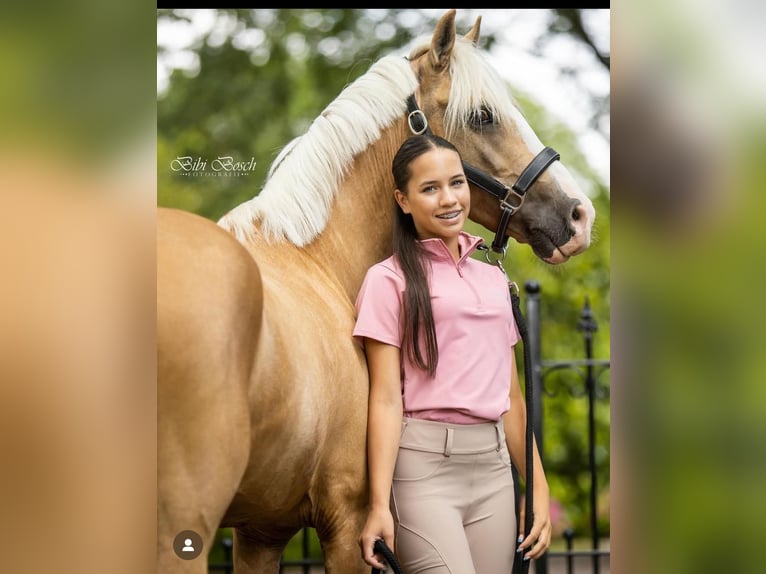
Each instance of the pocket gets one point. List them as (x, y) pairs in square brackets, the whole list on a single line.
[(412, 465)]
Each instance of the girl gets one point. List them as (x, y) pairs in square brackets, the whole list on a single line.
[(446, 415)]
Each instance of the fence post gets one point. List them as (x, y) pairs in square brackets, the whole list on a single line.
[(588, 326), (227, 544), (305, 550), (569, 536), (532, 290)]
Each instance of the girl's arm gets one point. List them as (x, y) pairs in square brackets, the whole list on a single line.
[(384, 425)]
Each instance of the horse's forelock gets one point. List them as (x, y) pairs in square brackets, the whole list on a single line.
[(474, 84)]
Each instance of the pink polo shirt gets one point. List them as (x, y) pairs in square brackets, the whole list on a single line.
[(475, 331)]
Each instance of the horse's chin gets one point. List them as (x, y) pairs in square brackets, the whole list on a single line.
[(546, 249), (557, 258), (541, 246)]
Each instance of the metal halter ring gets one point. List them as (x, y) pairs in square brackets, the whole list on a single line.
[(423, 117), (494, 257)]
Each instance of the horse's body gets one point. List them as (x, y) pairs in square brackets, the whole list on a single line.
[(262, 399)]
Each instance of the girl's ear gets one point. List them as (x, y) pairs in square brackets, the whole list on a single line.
[(401, 199)]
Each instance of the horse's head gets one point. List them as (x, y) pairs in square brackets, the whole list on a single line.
[(466, 101)]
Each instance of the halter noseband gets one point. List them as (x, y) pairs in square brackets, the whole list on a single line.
[(418, 124)]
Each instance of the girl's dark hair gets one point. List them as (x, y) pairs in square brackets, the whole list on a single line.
[(413, 259)]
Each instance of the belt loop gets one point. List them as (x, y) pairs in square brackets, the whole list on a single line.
[(500, 437), (404, 426), (448, 443)]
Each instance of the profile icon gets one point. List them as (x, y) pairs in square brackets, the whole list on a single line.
[(187, 545)]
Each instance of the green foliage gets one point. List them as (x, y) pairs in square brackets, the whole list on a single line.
[(217, 554), (293, 550), (249, 99)]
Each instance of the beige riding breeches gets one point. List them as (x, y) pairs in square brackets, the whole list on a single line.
[(452, 499)]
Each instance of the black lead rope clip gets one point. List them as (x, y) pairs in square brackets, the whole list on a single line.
[(496, 257)]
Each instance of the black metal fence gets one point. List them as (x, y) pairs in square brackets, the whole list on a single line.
[(588, 371)]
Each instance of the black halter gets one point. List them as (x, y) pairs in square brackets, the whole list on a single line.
[(511, 198)]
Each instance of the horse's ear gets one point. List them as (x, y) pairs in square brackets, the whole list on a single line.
[(443, 41), (473, 34)]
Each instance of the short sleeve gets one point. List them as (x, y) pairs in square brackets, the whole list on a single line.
[(379, 306)]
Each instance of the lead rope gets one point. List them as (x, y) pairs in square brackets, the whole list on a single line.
[(381, 547), (521, 566)]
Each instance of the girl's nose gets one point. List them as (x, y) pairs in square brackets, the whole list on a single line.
[(448, 196)]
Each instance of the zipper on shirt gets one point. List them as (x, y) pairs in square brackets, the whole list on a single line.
[(477, 298)]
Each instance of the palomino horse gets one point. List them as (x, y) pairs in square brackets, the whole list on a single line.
[(262, 391)]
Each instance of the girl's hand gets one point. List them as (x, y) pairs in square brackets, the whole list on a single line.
[(380, 524), (539, 538)]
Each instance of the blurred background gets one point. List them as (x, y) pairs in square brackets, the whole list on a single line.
[(77, 287), (688, 179)]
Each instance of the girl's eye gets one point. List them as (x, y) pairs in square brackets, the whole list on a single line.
[(458, 182)]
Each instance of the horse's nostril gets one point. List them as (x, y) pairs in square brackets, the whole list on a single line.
[(576, 213)]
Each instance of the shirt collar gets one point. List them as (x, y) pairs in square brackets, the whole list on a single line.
[(439, 250)]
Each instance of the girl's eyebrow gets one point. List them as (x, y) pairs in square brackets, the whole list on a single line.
[(432, 181)]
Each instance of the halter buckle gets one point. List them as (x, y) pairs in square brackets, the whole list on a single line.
[(422, 116), (504, 202)]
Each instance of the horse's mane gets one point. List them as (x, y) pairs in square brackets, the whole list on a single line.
[(302, 181)]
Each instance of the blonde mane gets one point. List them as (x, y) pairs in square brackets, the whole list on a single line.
[(296, 199)]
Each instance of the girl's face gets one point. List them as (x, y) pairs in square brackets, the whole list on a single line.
[(437, 195)]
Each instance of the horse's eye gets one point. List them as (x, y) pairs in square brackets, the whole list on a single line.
[(482, 117)]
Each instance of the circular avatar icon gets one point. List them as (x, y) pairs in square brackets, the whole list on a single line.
[(187, 545)]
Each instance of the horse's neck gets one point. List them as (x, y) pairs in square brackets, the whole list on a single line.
[(359, 231)]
